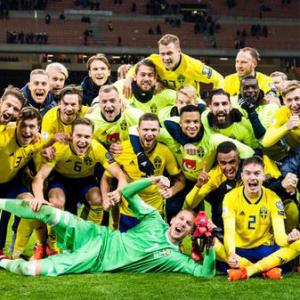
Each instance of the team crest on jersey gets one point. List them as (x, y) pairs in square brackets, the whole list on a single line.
[(157, 162), (189, 164), (279, 205), (123, 125), (88, 161), (263, 212), (200, 152), (113, 138), (181, 79), (153, 108)]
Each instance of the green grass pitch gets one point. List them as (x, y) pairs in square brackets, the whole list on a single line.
[(143, 286)]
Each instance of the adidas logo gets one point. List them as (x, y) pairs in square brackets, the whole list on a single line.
[(242, 213)]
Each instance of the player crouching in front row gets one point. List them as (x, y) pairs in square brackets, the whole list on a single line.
[(250, 213)]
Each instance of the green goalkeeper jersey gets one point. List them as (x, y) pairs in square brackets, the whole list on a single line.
[(146, 247)]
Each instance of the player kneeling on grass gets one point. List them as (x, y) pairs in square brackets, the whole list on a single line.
[(254, 234), (150, 246)]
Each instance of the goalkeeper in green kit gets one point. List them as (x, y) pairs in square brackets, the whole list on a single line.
[(151, 246)]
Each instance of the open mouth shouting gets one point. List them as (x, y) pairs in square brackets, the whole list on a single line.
[(39, 95), (81, 148)]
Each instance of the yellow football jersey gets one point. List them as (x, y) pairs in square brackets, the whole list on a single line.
[(279, 130), (52, 124), (253, 219), (217, 177), (232, 84), (160, 100), (111, 132), (13, 156), (162, 160), (190, 71), (71, 165)]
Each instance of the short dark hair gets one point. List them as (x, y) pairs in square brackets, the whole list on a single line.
[(189, 108), (216, 93), (253, 160), (71, 90), (83, 121), (247, 77), (15, 92), (148, 117), (226, 147), (145, 62), (29, 113)]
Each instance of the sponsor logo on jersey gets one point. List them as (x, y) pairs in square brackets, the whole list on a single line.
[(189, 164), (263, 212)]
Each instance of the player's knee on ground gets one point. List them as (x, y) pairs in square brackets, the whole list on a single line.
[(292, 215), (57, 198), (93, 196)]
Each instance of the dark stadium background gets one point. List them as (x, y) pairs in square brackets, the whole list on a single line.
[(127, 30)]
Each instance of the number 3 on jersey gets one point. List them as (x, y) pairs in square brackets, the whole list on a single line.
[(251, 222)]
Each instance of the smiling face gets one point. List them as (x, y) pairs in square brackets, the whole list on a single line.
[(181, 226), (110, 104), (56, 80), (39, 87), (220, 107), (27, 131), (69, 107), (99, 72), (190, 123), (253, 178), (145, 78), (229, 163), (244, 63), (250, 88), (10, 108), (292, 101), (81, 138), (170, 55), (148, 131)]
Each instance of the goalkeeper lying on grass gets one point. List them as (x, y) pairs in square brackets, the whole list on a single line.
[(150, 246)]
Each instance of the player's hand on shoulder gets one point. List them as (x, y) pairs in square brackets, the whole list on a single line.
[(63, 138), (36, 204), (127, 91), (190, 149), (293, 236), (48, 153)]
